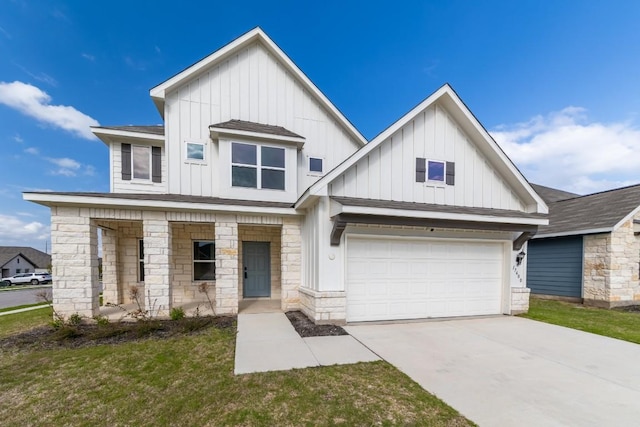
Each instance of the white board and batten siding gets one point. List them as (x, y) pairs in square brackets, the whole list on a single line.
[(118, 185), (388, 171), (251, 85), (407, 278)]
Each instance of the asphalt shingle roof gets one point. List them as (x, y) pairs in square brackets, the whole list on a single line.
[(256, 127), (153, 129), (36, 257), (550, 195), (389, 204), (176, 198), (598, 211)]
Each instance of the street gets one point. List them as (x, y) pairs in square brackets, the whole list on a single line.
[(22, 296)]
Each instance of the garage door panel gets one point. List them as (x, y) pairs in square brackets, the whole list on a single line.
[(390, 279)]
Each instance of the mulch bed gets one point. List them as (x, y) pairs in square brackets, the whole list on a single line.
[(629, 308), (306, 328), (87, 335)]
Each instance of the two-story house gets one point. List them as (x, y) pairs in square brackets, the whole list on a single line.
[(258, 185)]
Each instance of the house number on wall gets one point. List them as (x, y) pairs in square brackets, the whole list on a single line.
[(515, 270)]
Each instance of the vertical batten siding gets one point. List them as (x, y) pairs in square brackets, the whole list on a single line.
[(388, 171), (249, 85)]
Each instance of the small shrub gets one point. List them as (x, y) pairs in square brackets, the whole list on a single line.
[(101, 320), (176, 313), (75, 319), (57, 323)]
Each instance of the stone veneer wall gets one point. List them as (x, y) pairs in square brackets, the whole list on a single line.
[(74, 259), (611, 267), (291, 260), (324, 307), (519, 300), (184, 288), (258, 233), (120, 261)]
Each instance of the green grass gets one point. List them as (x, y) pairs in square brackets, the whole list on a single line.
[(189, 381), (17, 307), (14, 323), (610, 323)]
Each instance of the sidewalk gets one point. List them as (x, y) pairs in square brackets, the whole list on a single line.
[(20, 310), (268, 342)]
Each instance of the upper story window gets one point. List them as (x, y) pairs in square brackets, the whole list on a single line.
[(195, 151), (257, 166), (141, 162), (435, 171), (316, 165)]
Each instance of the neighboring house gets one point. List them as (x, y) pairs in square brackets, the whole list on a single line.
[(22, 259), (590, 250), (260, 186)]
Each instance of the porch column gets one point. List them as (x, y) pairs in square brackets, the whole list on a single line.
[(157, 263), (291, 261), (226, 235), (74, 259), (110, 285)]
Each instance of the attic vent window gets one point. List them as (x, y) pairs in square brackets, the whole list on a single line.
[(435, 171)]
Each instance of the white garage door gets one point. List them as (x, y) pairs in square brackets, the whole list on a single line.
[(390, 279)]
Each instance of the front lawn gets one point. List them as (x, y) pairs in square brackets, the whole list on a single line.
[(188, 380), (624, 325)]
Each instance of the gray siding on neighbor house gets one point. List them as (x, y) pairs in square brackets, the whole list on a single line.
[(554, 266)]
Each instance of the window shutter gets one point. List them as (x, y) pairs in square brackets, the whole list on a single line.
[(126, 162), (156, 164), (451, 173), (421, 169)]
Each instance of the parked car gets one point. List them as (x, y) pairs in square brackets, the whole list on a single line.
[(33, 278)]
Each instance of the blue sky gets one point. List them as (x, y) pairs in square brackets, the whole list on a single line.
[(555, 82)]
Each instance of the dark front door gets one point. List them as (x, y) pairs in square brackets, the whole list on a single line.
[(256, 268)]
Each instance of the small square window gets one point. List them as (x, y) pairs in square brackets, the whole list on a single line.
[(435, 171), (195, 151), (315, 165)]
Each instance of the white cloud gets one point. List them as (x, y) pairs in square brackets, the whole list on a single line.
[(17, 138), (89, 57), (89, 170), (565, 150), (15, 231), (66, 166), (35, 103), (32, 150)]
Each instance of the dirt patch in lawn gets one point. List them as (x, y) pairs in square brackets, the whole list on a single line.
[(628, 309), (87, 335), (306, 328)]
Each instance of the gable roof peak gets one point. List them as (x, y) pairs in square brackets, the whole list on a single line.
[(159, 92)]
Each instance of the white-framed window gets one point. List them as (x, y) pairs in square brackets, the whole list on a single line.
[(195, 151), (204, 260), (257, 166), (140, 260), (141, 162), (315, 165), (436, 171)]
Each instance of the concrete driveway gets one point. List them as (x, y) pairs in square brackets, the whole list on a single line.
[(509, 371)]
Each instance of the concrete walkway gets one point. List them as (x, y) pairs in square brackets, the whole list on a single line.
[(20, 310), (510, 371), (268, 342)]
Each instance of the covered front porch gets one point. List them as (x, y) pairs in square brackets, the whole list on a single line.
[(158, 260)]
